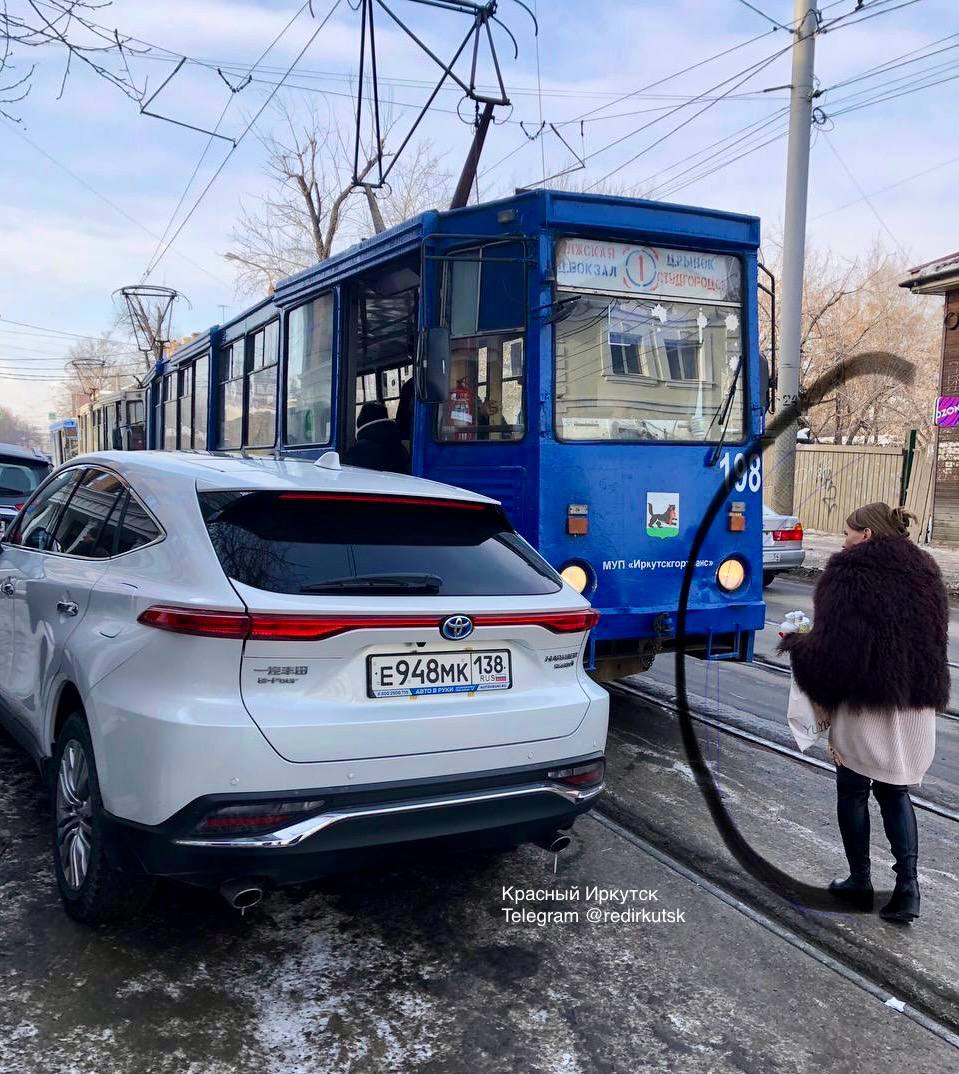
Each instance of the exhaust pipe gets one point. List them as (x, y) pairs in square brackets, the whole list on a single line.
[(242, 895)]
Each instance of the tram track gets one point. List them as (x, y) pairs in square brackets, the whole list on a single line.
[(652, 697), (862, 961), (843, 967)]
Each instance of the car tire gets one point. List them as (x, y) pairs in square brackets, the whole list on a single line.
[(768, 578), (93, 890)]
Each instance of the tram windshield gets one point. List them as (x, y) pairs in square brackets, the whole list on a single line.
[(653, 365)]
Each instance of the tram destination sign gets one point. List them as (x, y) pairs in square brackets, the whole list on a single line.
[(621, 269)]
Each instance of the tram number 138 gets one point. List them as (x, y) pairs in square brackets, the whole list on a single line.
[(748, 471)]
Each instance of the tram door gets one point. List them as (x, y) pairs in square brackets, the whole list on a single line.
[(480, 435), (380, 314)]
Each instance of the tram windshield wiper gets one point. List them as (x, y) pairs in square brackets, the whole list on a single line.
[(723, 413), (378, 583)]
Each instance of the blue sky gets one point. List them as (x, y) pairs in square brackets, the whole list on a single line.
[(66, 249)]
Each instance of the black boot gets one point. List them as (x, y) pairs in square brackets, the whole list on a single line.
[(852, 811), (899, 821)]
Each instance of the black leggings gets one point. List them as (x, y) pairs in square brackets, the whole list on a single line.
[(898, 820)]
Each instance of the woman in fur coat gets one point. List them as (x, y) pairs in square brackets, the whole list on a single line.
[(874, 667)]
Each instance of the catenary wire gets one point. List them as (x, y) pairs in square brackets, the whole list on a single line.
[(156, 260)]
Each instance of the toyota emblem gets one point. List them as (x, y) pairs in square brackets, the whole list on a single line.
[(456, 627)]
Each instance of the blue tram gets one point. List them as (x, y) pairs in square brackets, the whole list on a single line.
[(592, 362)]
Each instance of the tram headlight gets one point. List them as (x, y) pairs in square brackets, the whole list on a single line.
[(576, 576), (731, 574)]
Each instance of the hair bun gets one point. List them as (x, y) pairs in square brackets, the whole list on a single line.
[(901, 518)]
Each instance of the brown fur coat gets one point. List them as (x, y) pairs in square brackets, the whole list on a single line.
[(880, 630)]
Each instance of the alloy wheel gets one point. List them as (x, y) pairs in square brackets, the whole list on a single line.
[(74, 814)]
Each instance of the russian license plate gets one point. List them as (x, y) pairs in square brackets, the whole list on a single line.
[(417, 674)]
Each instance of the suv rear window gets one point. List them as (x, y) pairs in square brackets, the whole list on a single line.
[(314, 543), (19, 477)]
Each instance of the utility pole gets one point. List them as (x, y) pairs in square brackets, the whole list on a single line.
[(782, 478)]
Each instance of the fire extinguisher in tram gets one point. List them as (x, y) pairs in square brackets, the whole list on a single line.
[(461, 411)]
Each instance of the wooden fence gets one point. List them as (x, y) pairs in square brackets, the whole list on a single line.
[(834, 479)]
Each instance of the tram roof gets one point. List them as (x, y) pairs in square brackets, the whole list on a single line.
[(578, 212)]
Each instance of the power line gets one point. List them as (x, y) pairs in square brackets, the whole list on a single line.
[(747, 75), (214, 132), (891, 186), (864, 195), (112, 204), (156, 260), (768, 18), (55, 331)]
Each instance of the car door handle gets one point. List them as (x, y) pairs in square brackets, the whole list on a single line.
[(8, 588), (67, 607)]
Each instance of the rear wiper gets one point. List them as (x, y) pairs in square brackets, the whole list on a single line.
[(384, 583)]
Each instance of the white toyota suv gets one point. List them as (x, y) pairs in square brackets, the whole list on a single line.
[(245, 672)]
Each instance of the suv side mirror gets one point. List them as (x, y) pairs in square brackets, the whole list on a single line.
[(433, 365)]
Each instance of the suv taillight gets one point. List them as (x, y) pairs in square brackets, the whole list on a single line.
[(590, 774), (252, 817), (259, 626)]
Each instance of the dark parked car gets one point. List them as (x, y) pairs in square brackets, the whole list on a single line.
[(20, 473)]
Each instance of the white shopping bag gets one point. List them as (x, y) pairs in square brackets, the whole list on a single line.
[(806, 725)]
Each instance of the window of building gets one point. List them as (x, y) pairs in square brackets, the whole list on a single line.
[(230, 402), (309, 372), (261, 387)]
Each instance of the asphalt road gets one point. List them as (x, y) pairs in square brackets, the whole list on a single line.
[(415, 968)]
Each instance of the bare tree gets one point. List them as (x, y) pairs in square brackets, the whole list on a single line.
[(14, 430), (850, 307), (69, 26), (312, 203)]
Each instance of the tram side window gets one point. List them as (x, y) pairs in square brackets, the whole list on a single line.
[(201, 394), (184, 406), (230, 403), (136, 434), (170, 399), (261, 390), (486, 313), (309, 372)]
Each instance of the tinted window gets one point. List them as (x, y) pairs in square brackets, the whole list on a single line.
[(87, 527), (136, 527), (312, 543), (36, 525), (19, 477)]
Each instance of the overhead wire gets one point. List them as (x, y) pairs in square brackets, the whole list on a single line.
[(749, 73), (107, 201), (219, 123), (159, 256), (855, 182)]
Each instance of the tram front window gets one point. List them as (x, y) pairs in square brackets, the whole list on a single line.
[(630, 369)]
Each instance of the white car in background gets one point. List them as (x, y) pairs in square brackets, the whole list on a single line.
[(251, 672), (782, 544)]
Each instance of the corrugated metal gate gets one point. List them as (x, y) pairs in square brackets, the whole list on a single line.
[(832, 480)]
